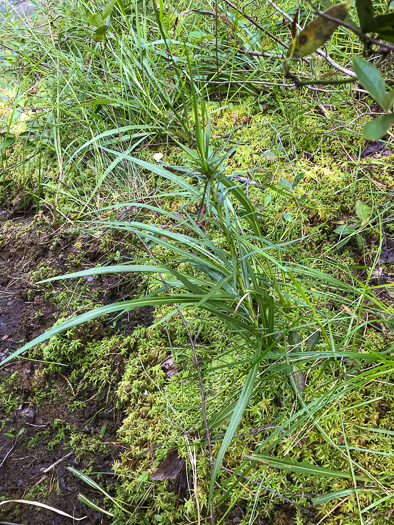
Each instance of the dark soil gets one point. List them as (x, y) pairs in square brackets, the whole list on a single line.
[(25, 466), (34, 461)]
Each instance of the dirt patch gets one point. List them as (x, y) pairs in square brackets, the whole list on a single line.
[(47, 424), (21, 252), (29, 249), (33, 468)]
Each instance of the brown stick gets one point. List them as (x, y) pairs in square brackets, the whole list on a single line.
[(56, 463)]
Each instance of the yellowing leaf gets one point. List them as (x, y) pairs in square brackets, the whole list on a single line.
[(317, 32)]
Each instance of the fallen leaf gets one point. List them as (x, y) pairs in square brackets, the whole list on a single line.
[(170, 468)]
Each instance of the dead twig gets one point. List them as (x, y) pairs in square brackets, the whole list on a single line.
[(39, 481), (71, 387), (8, 453), (323, 54), (45, 471), (294, 84)]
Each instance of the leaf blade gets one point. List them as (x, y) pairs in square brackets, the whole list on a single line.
[(377, 128), (370, 78), (95, 20), (302, 468)]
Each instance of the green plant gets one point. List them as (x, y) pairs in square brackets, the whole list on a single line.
[(18, 434), (347, 231), (99, 21), (243, 280), (208, 251), (373, 82)]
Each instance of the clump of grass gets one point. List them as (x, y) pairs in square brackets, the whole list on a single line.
[(300, 341), (268, 303)]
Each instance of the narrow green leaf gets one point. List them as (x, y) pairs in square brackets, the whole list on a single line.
[(159, 170), (108, 10), (220, 417), (109, 309), (376, 503), (213, 291), (95, 20), (377, 430), (89, 481), (370, 451), (369, 78), (121, 268), (89, 503), (302, 468), (235, 420), (189, 285), (377, 128), (334, 495), (110, 132)]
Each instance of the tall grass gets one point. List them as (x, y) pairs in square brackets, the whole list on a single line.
[(246, 282), (130, 92)]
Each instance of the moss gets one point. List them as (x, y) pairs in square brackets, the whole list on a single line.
[(9, 397), (154, 417), (42, 272), (63, 430)]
